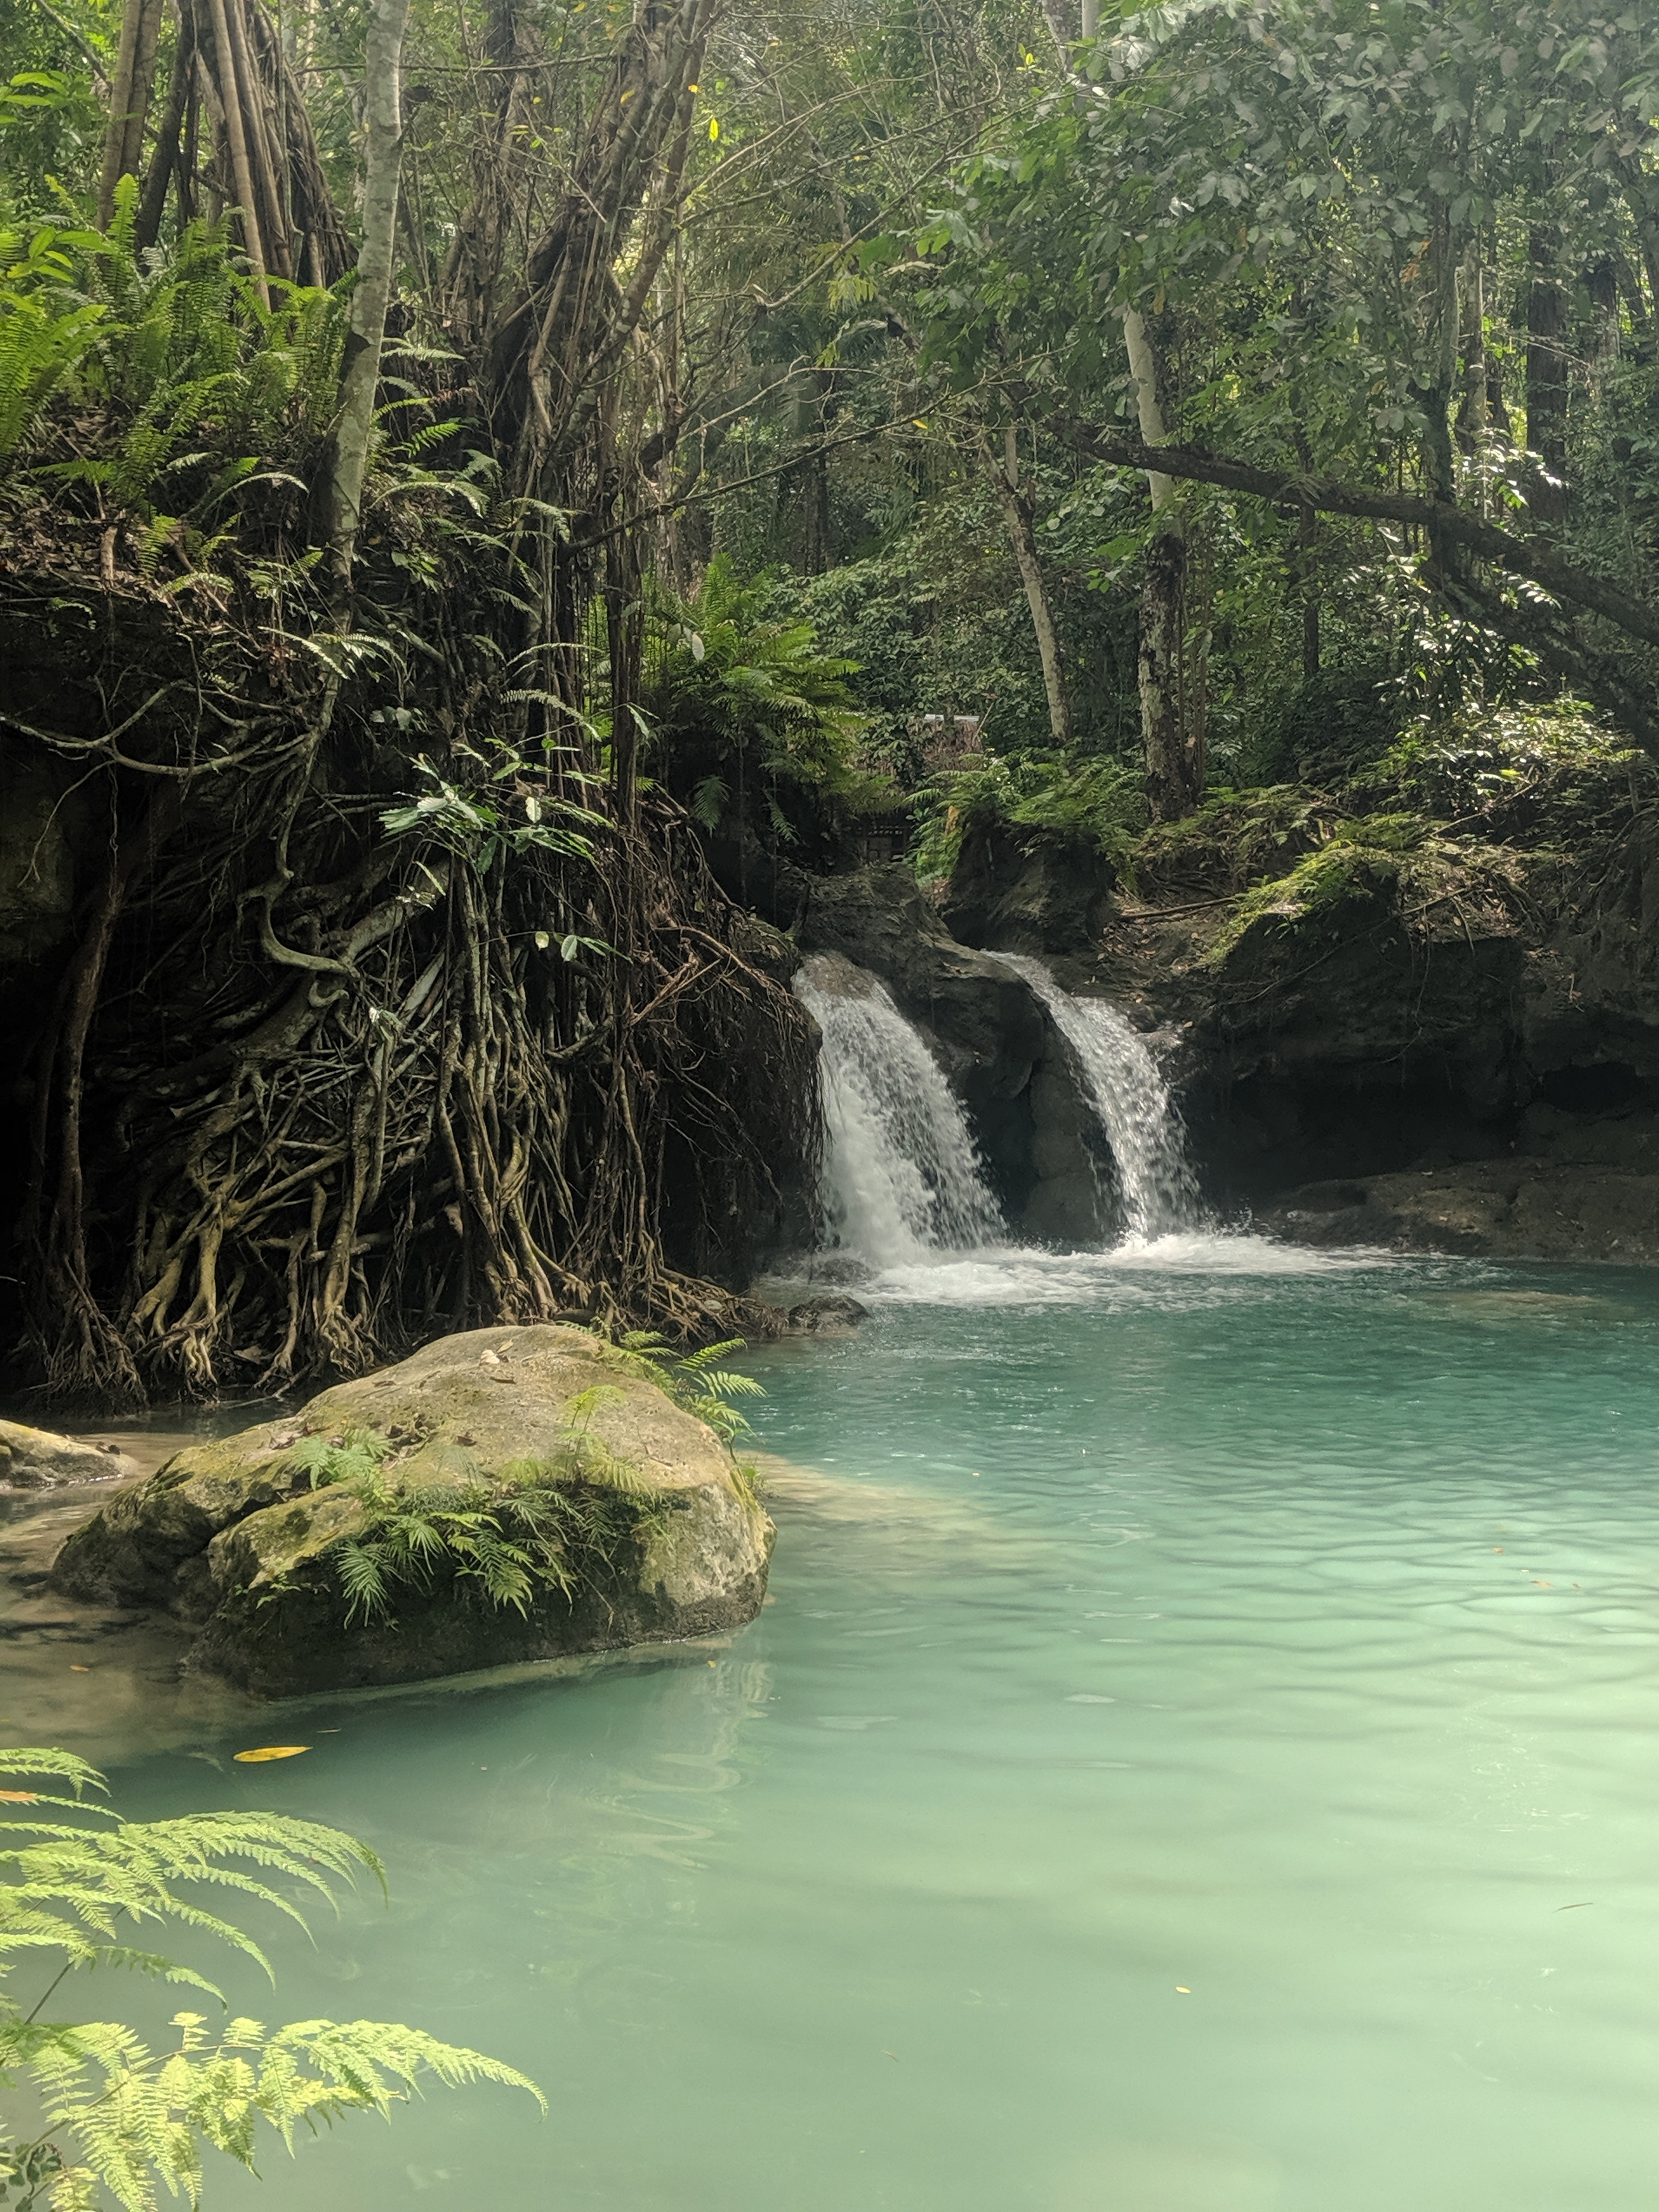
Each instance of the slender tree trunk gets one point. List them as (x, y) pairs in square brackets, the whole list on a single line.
[(1307, 535), (1174, 774), (1017, 514), (263, 162), (129, 94), (236, 138), (1169, 780), (164, 161), (360, 374), (1472, 412), (1546, 379)]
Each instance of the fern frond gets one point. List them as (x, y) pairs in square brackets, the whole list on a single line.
[(695, 1362)]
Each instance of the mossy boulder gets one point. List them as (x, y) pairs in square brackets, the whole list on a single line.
[(646, 1529)]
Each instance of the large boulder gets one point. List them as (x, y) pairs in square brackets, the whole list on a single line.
[(39, 1459), (650, 1525), (1019, 888)]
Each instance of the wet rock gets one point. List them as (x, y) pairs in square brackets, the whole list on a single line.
[(37, 1459), (234, 1537), (1028, 890), (1516, 1209), (827, 1317)]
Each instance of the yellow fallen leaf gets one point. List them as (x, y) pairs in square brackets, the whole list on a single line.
[(18, 1797), (271, 1750)]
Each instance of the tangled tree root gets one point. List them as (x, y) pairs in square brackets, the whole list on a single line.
[(311, 1092)]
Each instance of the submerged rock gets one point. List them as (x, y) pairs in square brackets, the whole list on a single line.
[(37, 1459), (827, 1316), (569, 1451)]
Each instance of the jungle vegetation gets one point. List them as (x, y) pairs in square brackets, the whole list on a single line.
[(475, 476)]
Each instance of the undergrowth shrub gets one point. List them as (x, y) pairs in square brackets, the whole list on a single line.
[(750, 716), (167, 360), (1091, 798)]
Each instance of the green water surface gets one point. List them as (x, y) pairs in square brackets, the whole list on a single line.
[(1201, 1756)]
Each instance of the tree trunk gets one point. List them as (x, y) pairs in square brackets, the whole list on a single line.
[(135, 76), (1473, 406), (1169, 779), (1306, 533), (164, 161), (1174, 781), (1016, 513), (224, 57), (360, 374), (1546, 379)]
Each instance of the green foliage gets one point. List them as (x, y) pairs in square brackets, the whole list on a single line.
[(1533, 774), (357, 1456), (122, 2121), (189, 383), (692, 1380), (46, 324), (549, 1526), (515, 809), (1444, 818), (1235, 838), (1330, 727), (737, 696), (507, 1547), (1398, 866), (51, 120), (1080, 795)]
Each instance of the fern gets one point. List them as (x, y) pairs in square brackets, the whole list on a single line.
[(123, 2121), (692, 1380), (355, 1457)]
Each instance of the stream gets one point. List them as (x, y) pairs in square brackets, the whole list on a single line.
[(1197, 1756)]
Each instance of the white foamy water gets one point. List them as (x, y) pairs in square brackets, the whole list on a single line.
[(903, 1176), (1125, 1086), (1137, 1271)]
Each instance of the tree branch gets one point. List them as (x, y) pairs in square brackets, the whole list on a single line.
[(1563, 579)]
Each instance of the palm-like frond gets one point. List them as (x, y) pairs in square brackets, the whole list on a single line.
[(135, 2121)]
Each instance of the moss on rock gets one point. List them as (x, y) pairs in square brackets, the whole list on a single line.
[(637, 1524)]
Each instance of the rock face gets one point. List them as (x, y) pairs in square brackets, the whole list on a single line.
[(661, 1537), (1579, 1191), (1028, 890), (36, 1459)]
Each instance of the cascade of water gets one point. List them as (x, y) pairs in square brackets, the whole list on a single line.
[(903, 1176), (1131, 1103)]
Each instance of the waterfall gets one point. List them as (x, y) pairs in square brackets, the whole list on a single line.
[(1132, 1104), (903, 1177)]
